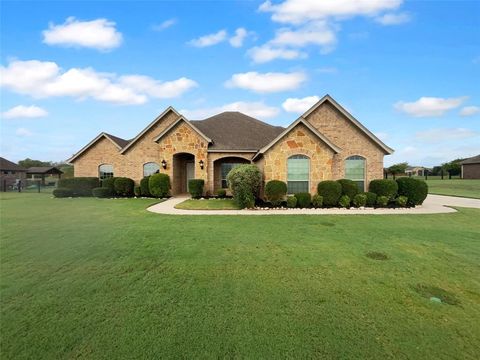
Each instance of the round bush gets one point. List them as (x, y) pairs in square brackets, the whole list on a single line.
[(344, 201), (384, 187), (275, 191), (144, 190), (221, 193), (123, 186), (102, 192), (331, 192), (414, 189), (371, 199), (317, 201), (304, 199), (382, 201), (195, 187), (159, 185), (349, 187), (401, 201), (62, 192), (109, 183), (80, 186), (137, 191), (291, 201), (245, 181), (360, 200)]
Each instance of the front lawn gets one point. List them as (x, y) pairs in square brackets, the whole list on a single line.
[(455, 187), (105, 279), (211, 204)]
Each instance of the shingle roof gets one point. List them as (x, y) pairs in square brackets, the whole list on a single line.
[(119, 141), (7, 165), (472, 160), (232, 130), (44, 170)]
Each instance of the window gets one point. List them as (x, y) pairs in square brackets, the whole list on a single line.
[(355, 170), (298, 169), (150, 168), (105, 171), (225, 169)]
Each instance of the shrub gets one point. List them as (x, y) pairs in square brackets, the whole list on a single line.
[(123, 186), (384, 187), (317, 201), (331, 192), (344, 201), (275, 191), (221, 193), (349, 187), (382, 201), (195, 187), (102, 192), (304, 199), (137, 191), (401, 201), (80, 186), (371, 199), (415, 190), (245, 181), (109, 183), (360, 200), (291, 201), (144, 190), (62, 192), (159, 185)]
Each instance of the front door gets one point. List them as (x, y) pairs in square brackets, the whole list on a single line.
[(190, 171)]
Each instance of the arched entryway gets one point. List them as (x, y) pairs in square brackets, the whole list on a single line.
[(183, 170), (221, 168)]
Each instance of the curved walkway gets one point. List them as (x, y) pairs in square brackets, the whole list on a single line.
[(434, 204)]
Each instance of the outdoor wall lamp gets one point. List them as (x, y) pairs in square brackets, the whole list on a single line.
[(201, 163), (164, 164)]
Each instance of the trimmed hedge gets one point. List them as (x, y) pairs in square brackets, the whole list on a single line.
[(124, 186), (144, 189), (349, 187), (102, 192), (137, 191), (360, 200), (275, 191), (221, 193), (384, 187), (245, 181), (304, 199), (331, 192), (159, 185), (80, 186), (62, 192), (344, 201), (317, 201), (109, 183), (382, 201), (401, 201), (291, 201), (414, 189), (195, 187), (371, 199)]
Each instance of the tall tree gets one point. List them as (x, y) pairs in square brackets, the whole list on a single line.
[(27, 163)]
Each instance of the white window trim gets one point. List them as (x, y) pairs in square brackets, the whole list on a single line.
[(309, 173)]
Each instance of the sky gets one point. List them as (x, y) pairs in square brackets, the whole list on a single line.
[(408, 70)]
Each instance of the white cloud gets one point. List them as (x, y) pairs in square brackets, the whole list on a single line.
[(254, 109), (382, 135), (164, 25), (327, 70), (442, 135), (209, 40), (393, 18), (46, 79), (296, 105), (429, 106), (22, 111), (239, 37), (318, 33), (98, 34), (23, 132), (470, 110), (266, 53), (267, 82)]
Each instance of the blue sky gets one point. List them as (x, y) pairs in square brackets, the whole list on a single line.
[(408, 70)]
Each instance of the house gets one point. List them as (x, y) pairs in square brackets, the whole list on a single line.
[(11, 175), (326, 142), (40, 172), (416, 170), (471, 168)]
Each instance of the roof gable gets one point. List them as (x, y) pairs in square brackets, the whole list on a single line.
[(172, 125), (8, 165), (115, 141)]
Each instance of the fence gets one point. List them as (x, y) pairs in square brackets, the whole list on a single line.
[(27, 185)]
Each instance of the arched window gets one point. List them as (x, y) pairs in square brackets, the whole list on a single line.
[(105, 171), (150, 168), (298, 169), (355, 170)]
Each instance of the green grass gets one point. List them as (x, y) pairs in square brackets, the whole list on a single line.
[(105, 279), (212, 204), (455, 187)]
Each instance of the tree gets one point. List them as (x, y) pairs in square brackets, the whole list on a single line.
[(27, 163), (397, 169), (453, 167)]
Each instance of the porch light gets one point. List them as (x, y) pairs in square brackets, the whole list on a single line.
[(164, 164), (201, 164)]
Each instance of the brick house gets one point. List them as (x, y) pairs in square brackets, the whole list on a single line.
[(11, 175), (326, 142), (471, 168)]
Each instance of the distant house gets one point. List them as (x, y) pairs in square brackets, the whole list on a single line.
[(11, 175), (471, 168), (415, 170), (39, 172)]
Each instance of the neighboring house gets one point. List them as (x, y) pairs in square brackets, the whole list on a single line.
[(325, 143), (416, 170), (11, 175), (40, 172), (471, 168)]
